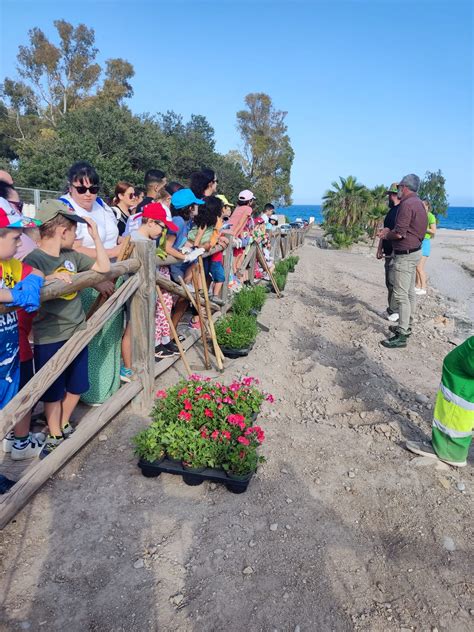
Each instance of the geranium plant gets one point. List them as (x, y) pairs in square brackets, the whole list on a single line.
[(206, 424)]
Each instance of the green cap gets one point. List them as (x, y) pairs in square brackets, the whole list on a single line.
[(49, 209), (224, 200), (393, 188)]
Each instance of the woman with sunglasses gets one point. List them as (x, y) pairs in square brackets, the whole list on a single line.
[(105, 347), (123, 202)]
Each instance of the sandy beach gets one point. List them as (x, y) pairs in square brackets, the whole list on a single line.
[(450, 268), (342, 529)]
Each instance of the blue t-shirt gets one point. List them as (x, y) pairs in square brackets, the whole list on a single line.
[(182, 234)]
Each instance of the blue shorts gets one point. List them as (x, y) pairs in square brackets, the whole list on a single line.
[(178, 270), (75, 378), (26, 372), (215, 269), (425, 247)]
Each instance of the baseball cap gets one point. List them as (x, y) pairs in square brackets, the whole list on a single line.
[(49, 209), (11, 220), (393, 188), (246, 196), (224, 200), (155, 210), (184, 197)]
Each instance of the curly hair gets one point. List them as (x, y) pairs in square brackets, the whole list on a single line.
[(209, 212)]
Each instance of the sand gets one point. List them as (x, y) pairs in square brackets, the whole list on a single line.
[(367, 536)]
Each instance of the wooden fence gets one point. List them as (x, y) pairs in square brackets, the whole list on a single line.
[(140, 288)]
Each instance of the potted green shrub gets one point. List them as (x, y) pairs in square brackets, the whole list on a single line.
[(236, 334), (249, 300)]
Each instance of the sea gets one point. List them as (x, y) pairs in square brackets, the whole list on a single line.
[(458, 218)]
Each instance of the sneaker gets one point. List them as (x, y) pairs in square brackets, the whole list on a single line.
[(398, 341), (393, 317), (194, 324), (67, 431), (125, 374), (28, 449), (9, 440), (49, 446), (395, 329), (215, 299), (162, 352), (425, 449), (419, 291), (171, 346)]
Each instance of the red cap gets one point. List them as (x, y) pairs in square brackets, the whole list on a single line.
[(155, 210)]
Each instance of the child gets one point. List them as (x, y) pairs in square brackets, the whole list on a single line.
[(20, 285), (153, 224), (207, 234), (60, 318)]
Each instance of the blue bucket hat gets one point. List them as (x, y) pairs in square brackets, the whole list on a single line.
[(184, 197)]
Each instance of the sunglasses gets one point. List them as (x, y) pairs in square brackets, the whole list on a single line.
[(131, 196), (94, 189), (158, 223), (17, 205)]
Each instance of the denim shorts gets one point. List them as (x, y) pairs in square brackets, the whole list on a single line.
[(215, 269), (426, 247), (75, 378), (178, 270)]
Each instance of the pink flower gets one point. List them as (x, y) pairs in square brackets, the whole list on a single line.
[(228, 400), (208, 412), (224, 389), (235, 420), (228, 330), (270, 398), (204, 434), (234, 387), (187, 404), (161, 394), (195, 377), (205, 396), (183, 391), (247, 381), (185, 415), (225, 434), (215, 435), (243, 440), (198, 389)]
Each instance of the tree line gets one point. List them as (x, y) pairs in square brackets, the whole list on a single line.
[(65, 106), (351, 210)]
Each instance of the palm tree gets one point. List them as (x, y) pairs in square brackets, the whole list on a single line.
[(377, 209), (345, 207)]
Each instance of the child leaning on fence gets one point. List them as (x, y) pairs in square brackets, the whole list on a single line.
[(153, 226), (60, 318), (20, 286)]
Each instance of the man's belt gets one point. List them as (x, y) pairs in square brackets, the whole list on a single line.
[(406, 252)]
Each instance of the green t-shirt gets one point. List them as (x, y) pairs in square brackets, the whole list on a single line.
[(59, 319), (431, 220), (205, 237)]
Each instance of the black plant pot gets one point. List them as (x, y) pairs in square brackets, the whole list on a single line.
[(230, 352), (193, 477)]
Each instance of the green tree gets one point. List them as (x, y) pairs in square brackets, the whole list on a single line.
[(345, 209), (376, 209), (267, 153), (432, 189), (55, 79)]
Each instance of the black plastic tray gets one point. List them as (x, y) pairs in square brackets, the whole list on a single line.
[(152, 470)]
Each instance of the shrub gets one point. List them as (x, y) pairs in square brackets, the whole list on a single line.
[(291, 261), (280, 280), (236, 331), (249, 299)]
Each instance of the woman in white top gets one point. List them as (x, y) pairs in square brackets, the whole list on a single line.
[(105, 347)]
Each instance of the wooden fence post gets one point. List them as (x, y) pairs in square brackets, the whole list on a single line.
[(142, 318), (228, 264)]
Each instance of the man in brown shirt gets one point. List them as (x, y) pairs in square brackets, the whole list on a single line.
[(406, 236)]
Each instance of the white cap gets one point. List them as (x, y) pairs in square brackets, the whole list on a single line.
[(246, 196)]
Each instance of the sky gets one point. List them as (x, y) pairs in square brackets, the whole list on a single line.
[(373, 88)]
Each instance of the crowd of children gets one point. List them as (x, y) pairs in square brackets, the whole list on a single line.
[(80, 231)]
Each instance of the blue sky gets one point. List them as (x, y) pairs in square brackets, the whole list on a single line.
[(373, 88)]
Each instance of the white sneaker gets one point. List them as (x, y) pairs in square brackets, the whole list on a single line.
[(30, 449), (419, 291), (393, 317), (8, 442)]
